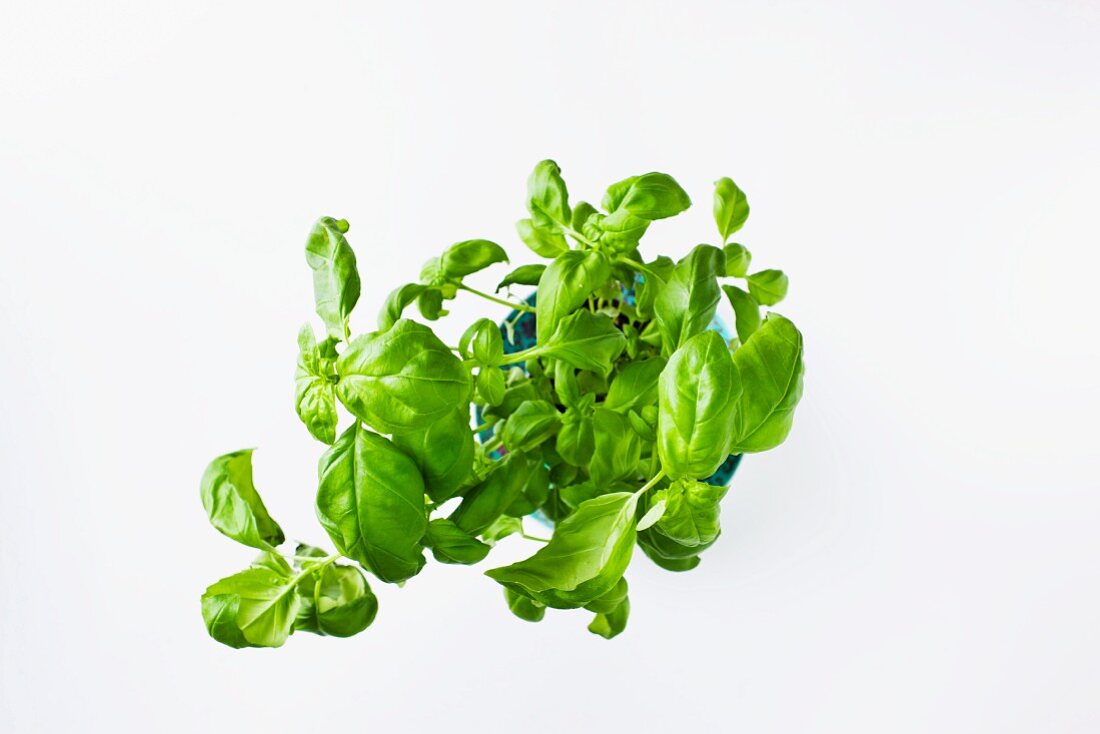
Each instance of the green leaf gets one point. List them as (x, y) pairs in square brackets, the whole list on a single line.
[(612, 610), (697, 394), (401, 379), (585, 558), (314, 392), (771, 371), (490, 385), (336, 601), (535, 491), (565, 285), (737, 260), (526, 609), (335, 276), (253, 608), (731, 207), (543, 241), (500, 529), (576, 440), (620, 231), (612, 623), (465, 258), (651, 284), (396, 302), (371, 503), (547, 196), (617, 448), (769, 287), (444, 453), (652, 515), (635, 386), (586, 341), (675, 565), (686, 305), (233, 504), (486, 344), (691, 514), (451, 544), (650, 196), (523, 275), (487, 501), (430, 303), (533, 422), (746, 311)]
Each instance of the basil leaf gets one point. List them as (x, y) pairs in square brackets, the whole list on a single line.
[(370, 501), (526, 609), (534, 493), (500, 529), (532, 423), (620, 231), (617, 448), (686, 305), (338, 604), (691, 513), (667, 553), (444, 453), (697, 394), (465, 258), (635, 386), (396, 302), (401, 379), (650, 196), (565, 285), (737, 260), (585, 558), (746, 311), (611, 624), (233, 504), (335, 276), (523, 275), (576, 440), (450, 544), (543, 241), (430, 303), (487, 346), (253, 608), (314, 392), (731, 207), (651, 284), (486, 502), (586, 341), (769, 287), (771, 371), (490, 385), (547, 196), (612, 610)]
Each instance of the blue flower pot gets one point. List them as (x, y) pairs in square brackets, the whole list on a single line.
[(524, 338)]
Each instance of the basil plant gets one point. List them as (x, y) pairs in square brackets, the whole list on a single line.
[(606, 425)]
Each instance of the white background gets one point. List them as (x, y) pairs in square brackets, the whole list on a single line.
[(921, 555)]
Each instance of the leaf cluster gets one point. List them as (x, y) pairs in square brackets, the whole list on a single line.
[(608, 427)]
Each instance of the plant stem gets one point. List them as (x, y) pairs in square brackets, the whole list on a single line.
[(516, 306), (482, 427), (652, 482), (523, 534), (639, 267)]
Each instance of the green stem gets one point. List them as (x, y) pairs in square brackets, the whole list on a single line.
[(482, 427), (517, 357), (517, 306), (638, 266), (652, 482), (492, 444), (533, 537)]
